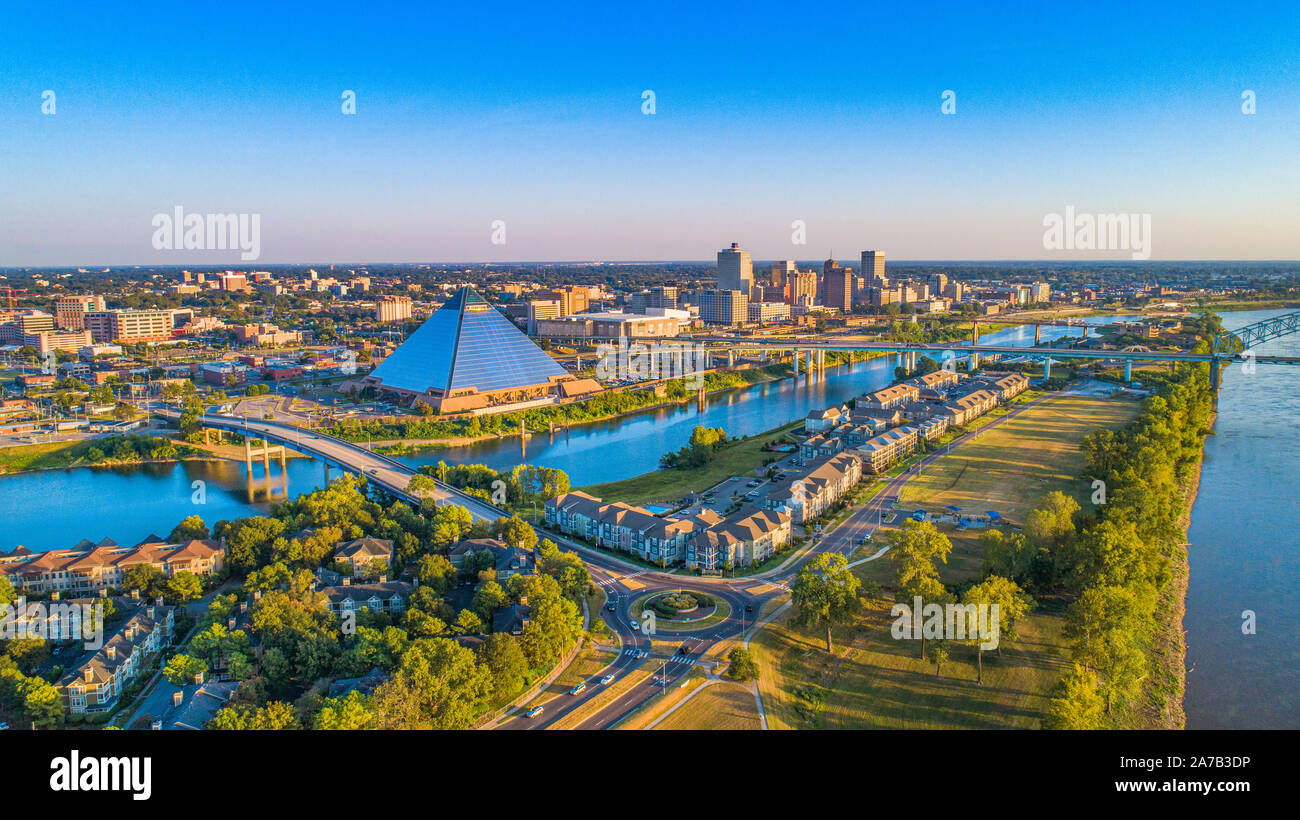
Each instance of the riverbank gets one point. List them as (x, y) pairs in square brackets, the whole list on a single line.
[(1161, 703), (67, 455)]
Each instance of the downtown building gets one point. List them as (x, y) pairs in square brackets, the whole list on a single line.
[(735, 269), (724, 307), (837, 286)]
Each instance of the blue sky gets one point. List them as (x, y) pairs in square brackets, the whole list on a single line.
[(765, 113)]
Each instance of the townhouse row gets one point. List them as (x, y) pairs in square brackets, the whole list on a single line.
[(704, 540), (89, 568)]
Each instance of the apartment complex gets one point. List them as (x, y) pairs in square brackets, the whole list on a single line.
[(739, 539), (96, 680), (888, 448), (809, 495), (91, 567)]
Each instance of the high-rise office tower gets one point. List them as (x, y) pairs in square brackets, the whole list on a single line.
[(782, 271), (873, 267), (837, 286), (735, 269), (724, 307), (801, 288)]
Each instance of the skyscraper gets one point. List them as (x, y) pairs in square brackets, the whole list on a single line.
[(801, 288), (873, 268), (837, 286), (735, 269), (782, 270)]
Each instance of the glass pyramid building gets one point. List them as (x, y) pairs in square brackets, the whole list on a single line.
[(467, 355)]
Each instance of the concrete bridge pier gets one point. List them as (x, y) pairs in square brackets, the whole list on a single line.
[(1038, 333), (1047, 367), (1128, 370), (974, 340), (796, 362), (731, 358)]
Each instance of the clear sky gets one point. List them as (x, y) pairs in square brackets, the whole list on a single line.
[(765, 114)]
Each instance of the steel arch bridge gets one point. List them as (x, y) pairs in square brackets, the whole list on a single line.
[(1248, 337)]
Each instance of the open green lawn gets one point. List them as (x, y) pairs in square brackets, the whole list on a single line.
[(726, 706), (872, 681), (668, 486), (1011, 467)]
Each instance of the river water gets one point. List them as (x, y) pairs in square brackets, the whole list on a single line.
[(1244, 535), (1244, 551)]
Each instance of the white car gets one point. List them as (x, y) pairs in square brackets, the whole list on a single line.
[(636, 627)]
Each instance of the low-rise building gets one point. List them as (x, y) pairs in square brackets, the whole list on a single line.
[(889, 397), (888, 448), (749, 536), (91, 567), (381, 596), (807, 496), (96, 680), (362, 554)]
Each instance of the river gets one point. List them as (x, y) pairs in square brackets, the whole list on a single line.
[(1244, 552)]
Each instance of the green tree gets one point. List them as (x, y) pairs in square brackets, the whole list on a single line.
[(183, 587), (440, 685), (189, 529), (181, 669), (741, 665), (825, 593), (1075, 702), (504, 659)]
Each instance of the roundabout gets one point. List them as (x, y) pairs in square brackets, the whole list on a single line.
[(681, 610)]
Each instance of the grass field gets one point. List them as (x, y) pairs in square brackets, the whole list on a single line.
[(872, 681), (1011, 467), (726, 706), (668, 486)]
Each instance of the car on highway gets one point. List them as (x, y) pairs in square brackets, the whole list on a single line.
[(533, 712), (749, 607), (579, 689), (636, 627), (607, 679), (640, 653), (610, 606), (684, 649)]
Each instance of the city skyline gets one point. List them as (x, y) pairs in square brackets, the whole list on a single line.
[(852, 142)]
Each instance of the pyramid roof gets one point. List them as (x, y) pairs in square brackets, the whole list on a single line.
[(467, 344)]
